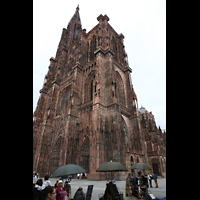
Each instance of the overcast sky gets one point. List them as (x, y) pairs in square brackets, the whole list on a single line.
[(142, 22)]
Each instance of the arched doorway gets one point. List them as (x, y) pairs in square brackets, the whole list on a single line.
[(155, 166), (85, 154)]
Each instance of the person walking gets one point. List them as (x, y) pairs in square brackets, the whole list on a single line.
[(155, 179)]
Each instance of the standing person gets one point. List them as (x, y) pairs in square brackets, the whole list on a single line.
[(35, 179), (113, 177), (128, 184), (45, 183), (56, 184), (78, 176), (61, 194), (150, 177), (139, 172), (135, 181), (134, 186), (155, 179), (36, 191)]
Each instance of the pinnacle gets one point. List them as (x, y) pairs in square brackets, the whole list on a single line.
[(77, 8)]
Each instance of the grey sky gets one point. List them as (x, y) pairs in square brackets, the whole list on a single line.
[(142, 22)]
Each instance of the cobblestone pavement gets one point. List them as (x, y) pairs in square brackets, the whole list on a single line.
[(99, 187)]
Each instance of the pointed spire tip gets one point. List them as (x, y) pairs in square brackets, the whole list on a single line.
[(77, 8)]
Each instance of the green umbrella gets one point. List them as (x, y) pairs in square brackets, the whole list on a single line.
[(140, 166), (68, 170), (111, 167)]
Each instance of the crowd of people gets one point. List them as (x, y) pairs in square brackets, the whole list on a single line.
[(144, 181), (45, 190)]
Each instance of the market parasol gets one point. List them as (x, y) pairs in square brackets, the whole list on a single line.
[(140, 166), (68, 169), (111, 167)]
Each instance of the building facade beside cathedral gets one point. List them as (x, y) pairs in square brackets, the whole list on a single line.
[(87, 112)]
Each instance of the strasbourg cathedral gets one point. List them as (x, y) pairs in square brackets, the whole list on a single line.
[(87, 112)]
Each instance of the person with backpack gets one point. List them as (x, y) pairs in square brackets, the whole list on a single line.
[(155, 179)]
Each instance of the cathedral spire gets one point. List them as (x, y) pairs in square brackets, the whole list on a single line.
[(75, 26), (72, 33), (76, 17)]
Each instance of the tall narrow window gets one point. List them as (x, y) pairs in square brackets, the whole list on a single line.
[(91, 90), (95, 89), (115, 89), (114, 46)]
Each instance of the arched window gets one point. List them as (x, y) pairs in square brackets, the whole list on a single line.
[(131, 159)]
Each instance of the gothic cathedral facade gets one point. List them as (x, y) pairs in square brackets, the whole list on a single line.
[(87, 112)]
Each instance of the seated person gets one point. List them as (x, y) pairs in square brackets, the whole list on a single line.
[(79, 193), (144, 181), (111, 191), (144, 184)]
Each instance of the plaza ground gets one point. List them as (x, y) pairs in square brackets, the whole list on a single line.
[(99, 187)]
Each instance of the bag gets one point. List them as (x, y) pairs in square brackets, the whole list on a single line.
[(65, 198)]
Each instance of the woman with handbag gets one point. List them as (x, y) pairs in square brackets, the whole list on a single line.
[(61, 194)]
